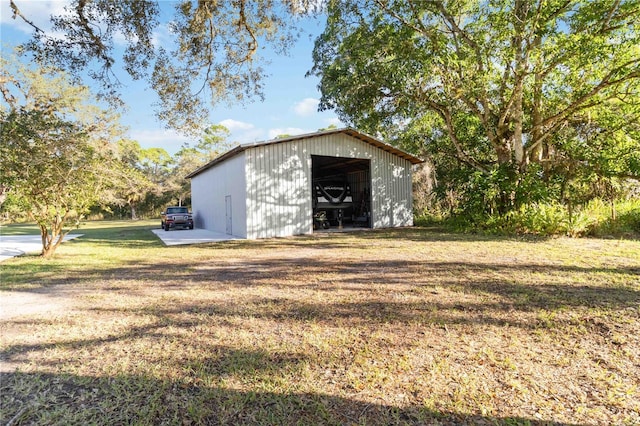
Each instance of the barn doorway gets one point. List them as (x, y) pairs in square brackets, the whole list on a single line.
[(341, 192)]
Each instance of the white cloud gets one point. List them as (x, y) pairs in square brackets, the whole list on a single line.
[(235, 125), (243, 132), (334, 121), (170, 140), (38, 12), (252, 135), (120, 39), (162, 37), (306, 107), (273, 133)]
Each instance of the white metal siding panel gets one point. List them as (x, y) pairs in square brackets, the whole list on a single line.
[(208, 192), (275, 191), (279, 193), (279, 184)]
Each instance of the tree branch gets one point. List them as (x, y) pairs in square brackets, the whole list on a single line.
[(578, 104), (17, 12), (242, 22), (461, 154)]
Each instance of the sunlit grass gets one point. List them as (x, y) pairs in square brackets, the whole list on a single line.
[(408, 326)]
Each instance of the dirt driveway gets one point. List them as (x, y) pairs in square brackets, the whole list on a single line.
[(24, 303), (37, 302)]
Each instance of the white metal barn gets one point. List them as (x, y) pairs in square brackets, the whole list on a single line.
[(276, 188)]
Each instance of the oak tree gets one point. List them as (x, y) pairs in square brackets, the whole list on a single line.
[(135, 183), (57, 158), (210, 51), (499, 85)]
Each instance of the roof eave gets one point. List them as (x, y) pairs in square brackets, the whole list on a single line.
[(347, 130)]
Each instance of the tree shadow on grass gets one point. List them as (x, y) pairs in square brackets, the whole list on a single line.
[(327, 241), (439, 234), (283, 290), (483, 288), (131, 399), (39, 398)]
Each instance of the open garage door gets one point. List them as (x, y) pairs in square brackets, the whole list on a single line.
[(341, 191)]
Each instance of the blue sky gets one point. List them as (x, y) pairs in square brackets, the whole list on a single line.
[(289, 107)]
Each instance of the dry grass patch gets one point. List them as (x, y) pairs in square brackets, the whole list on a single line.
[(410, 326)]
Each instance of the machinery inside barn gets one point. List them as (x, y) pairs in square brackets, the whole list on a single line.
[(341, 194)]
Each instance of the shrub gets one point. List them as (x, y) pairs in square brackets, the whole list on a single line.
[(619, 219), (596, 218)]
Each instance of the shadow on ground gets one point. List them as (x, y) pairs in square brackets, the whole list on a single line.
[(278, 287), (57, 399), (522, 286)]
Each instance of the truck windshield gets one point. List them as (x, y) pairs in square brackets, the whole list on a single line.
[(175, 210)]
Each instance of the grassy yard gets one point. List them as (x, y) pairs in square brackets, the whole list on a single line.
[(410, 326)]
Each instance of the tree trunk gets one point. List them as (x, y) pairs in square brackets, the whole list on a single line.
[(538, 152), (4, 192), (51, 241), (44, 234), (614, 216), (521, 11), (503, 150)]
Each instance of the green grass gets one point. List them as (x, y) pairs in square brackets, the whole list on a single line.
[(409, 326), (19, 229)]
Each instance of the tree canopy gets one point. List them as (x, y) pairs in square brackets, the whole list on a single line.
[(212, 56), (212, 143), (515, 86), (56, 148)]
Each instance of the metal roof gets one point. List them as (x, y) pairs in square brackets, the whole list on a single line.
[(348, 131)]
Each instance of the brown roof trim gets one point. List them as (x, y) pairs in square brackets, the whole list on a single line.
[(348, 131)]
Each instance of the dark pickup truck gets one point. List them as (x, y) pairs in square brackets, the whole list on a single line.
[(176, 217)]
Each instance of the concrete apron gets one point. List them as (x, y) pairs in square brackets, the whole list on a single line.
[(191, 236)]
